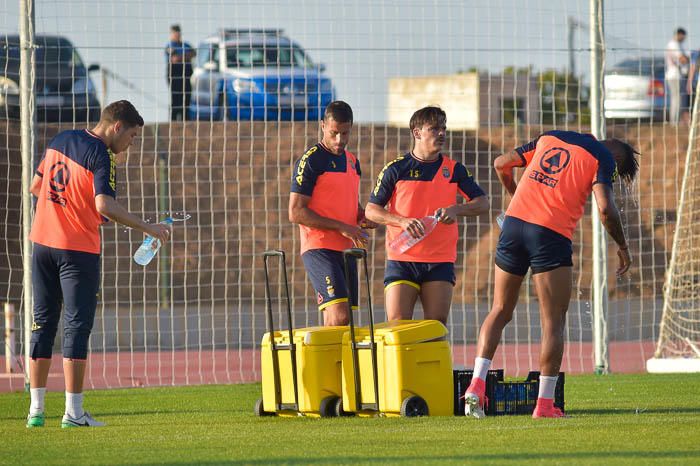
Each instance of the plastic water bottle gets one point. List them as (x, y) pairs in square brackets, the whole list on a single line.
[(406, 241), (500, 219), (149, 248)]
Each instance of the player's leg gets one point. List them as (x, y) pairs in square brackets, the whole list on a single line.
[(436, 298), (326, 272), (401, 289), (512, 263), (47, 312), (553, 292), (80, 278), (552, 270), (437, 284), (505, 297)]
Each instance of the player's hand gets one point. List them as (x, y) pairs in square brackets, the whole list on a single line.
[(625, 260), (358, 236), (413, 226), (160, 231), (368, 224), (689, 87), (446, 215)]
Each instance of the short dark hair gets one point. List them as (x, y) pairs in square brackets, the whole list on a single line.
[(681, 31), (625, 159), (339, 111), (431, 115), (121, 110), (175, 28)]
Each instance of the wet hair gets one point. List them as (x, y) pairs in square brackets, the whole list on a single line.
[(625, 159), (430, 115), (681, 31), (339, 111), (123, 111)]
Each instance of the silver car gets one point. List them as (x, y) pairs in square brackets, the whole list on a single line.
[(635, 88)]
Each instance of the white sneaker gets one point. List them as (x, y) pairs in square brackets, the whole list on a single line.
[(86, 420), (473, 406)]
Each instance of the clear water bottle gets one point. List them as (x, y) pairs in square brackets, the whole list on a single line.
[(149, 248), (500, 219), (406, 241)]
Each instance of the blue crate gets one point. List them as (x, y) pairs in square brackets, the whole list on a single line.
[(506, 397)]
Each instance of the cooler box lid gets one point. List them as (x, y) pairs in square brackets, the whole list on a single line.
[(309, 336), (402, 332)]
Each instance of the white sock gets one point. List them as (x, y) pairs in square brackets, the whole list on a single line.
[(481, 367), (37, 404), (74, 405), (547, 385)]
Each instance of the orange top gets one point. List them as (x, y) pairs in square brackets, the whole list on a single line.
[(562, 167), (415, 189), (76, 166), (333, 182)]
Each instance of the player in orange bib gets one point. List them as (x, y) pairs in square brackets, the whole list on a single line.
[(324, 202), (421, 183), (75, 187), (561, 170)]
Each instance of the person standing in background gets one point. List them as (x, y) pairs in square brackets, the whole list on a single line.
[(676, 63), (179, 57)]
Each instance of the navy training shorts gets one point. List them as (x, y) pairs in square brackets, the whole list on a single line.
[(416, 273), (327, 274), (523, 245), (68, 279)]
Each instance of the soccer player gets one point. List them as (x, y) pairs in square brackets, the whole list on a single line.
[(421, 183), (324, 201), (75, 189), (561, 170)]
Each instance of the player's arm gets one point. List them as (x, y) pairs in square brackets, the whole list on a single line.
[(35, 187), (300, 213), (504, 165), (477, 201), (375, 210), (610, 218), (377, 213), (362, 219), (109, 207), (471, 208)]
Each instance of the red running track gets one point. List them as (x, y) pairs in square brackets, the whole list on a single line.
[(119, 370)]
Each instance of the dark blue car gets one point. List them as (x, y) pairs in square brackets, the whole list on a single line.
[(257, 75)]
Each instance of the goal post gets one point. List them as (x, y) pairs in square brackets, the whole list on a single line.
[(678, 346)]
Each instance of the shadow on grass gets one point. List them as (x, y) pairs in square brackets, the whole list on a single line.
[(640, 410), (471, 457)]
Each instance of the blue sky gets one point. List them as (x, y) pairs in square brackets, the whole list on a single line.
[(362, 43)]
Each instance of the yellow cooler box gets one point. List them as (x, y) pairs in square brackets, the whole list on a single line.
[(414, 368), (318, 367)]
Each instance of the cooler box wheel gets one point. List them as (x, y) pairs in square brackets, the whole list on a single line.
[(414, 406), (259, 411)]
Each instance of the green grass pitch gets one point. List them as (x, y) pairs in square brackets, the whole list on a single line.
[(616, 419)]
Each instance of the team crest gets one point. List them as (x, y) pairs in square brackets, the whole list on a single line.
[(445, 172), (331, 291)]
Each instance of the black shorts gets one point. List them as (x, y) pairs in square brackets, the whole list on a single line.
[(68, 279), (524, 245), (416, 273), (327, 274)]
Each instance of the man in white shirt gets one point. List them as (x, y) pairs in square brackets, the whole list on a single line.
[(676, 59)]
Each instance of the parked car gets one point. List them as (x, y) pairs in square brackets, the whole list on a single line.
[(257, 74), (635, 88), (64, 90)]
